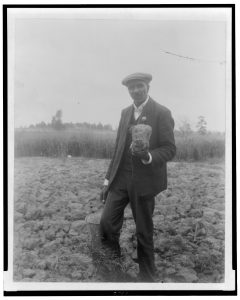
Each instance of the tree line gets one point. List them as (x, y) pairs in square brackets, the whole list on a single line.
[(186, 130), (58, 124)]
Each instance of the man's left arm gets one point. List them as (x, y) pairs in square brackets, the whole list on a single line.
[(166, 142)]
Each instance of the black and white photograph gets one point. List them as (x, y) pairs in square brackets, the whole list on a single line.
[(119, 148)]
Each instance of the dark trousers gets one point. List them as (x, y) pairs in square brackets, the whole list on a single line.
[(121, 193)]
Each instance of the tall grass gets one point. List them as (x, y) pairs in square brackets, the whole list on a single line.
[(196, 147), (100, 144), (75, 142)]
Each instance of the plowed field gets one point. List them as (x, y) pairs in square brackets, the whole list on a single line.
[(53, 196)]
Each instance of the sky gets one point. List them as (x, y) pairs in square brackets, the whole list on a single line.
[(76, 64)]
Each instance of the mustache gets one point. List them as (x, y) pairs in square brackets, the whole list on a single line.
[(137, 93)]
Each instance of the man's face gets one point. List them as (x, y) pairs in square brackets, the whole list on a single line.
[(138, 90)]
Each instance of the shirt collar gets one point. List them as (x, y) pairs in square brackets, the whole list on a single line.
[(140, 107)]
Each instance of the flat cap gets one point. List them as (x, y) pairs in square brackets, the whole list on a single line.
[(137, 76)]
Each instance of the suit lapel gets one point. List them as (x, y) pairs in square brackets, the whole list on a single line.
[(126, 117), (126, 121)]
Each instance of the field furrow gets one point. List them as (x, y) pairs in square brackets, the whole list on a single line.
[(52, 197)]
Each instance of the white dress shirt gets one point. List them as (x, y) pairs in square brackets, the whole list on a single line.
[(138, 110)]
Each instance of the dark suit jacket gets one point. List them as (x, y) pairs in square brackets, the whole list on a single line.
[(149, 179)]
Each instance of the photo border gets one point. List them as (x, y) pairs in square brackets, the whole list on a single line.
[(5, 157)]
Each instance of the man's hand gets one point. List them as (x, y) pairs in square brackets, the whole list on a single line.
[(143, 155), (104, 193)]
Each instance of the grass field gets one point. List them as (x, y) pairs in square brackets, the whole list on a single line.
[(100, 144), (54, 195)]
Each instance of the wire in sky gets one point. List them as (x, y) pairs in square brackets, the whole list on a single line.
[(193, 58)]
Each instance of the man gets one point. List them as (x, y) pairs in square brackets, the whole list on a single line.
[(137, 177)]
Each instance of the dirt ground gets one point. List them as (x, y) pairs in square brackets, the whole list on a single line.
[(54, 195)]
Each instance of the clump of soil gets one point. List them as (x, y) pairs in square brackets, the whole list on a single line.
[(51, 240)]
